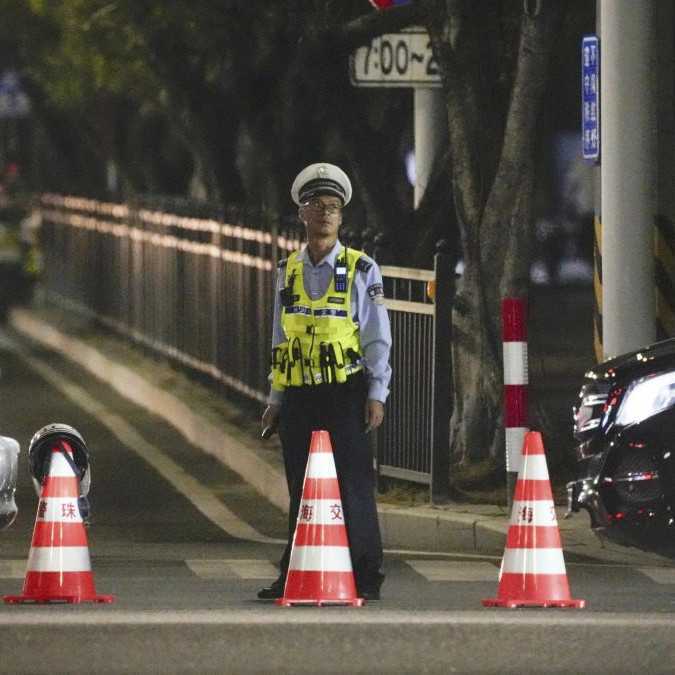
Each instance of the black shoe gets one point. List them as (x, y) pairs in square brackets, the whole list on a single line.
[(369, 588), (273, 591), (369, 594)]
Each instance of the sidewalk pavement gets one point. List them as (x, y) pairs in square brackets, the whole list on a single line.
[(216, 427)]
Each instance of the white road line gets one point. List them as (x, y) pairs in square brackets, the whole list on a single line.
[(445, 570), (232, 568), (441, 554), (484, 556), (661, 575), (188, 486), (271, 615)]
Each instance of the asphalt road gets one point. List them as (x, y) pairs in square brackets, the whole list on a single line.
[(184, 544)]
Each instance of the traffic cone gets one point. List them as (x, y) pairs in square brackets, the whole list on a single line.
[(533, 568), (58, 567), (320, 567)]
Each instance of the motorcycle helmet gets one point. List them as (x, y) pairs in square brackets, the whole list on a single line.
[(45, 439)]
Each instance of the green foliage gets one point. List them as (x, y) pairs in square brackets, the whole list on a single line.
[(89, 50)]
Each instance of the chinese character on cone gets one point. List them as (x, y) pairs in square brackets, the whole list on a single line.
[(533, 568), (59, 569), (320, 568)]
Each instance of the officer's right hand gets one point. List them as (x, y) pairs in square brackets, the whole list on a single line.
[(270, 420)]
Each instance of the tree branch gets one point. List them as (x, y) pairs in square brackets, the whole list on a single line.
[(361, 31)]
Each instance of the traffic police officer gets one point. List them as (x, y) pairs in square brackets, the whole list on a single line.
[(330, 366)]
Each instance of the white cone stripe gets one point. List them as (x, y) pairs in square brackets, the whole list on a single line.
[(59, 510), (321, 465), (539, 513), (63, 559), (515, 437), (321, 559), (515, 363), (59, 466), (533, 467), (533, 561), (321, 512)]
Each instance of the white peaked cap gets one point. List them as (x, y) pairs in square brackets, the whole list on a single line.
[(321, 179)]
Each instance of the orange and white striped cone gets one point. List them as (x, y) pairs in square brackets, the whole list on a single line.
[(533, 568), (320, 567), (59, 569)]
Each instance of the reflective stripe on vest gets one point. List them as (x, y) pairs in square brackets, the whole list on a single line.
[(322, 338)]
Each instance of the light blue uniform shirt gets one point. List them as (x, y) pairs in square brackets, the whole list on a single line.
[(368, 311)]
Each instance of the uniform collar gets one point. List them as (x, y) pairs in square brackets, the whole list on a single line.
[(332, 256)]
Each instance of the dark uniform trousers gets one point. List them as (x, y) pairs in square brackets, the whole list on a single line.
[(340, 410)]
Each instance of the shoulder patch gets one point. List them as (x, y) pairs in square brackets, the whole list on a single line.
[(282, 263), (363, 265), (376, 293)]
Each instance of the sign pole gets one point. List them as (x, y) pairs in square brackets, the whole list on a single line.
[(406, 59), (430, 131)]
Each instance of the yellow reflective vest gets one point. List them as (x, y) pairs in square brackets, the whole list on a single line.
[(322, 340)]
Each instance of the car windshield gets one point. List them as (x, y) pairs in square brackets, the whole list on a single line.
[(647, 397)]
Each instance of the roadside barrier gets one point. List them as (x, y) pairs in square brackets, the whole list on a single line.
[(320, 568), (59, 568), (516, 378), (533, 567)]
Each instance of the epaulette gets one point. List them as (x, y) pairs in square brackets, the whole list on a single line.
[(282, 263), (363, 265)]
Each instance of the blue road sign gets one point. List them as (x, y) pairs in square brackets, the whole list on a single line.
[(590, 96)]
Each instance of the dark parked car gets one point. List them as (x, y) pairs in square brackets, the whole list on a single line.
[(624, 426)]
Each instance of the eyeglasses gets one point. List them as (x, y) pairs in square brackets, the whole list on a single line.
[(317, 206)]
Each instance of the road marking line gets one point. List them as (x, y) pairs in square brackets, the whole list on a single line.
[(187, 485), (12, 569), (270, 615), (441, 554), (661, 575), (444, 570), (233, 568), (484, 556)]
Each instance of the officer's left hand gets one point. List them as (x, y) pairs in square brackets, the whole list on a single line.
[(374, 414)]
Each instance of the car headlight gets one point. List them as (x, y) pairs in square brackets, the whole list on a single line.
[(647, 397)]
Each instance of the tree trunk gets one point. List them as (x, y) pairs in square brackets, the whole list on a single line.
[(493, 192)]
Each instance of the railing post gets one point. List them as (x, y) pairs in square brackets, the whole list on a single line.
[(442, 375)]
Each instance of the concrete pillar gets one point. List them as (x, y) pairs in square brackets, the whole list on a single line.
[(430, 129), (629, 172)]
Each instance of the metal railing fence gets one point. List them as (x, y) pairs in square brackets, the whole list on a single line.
[(405, 438), (413, 442), (196, 289), (196, 285)]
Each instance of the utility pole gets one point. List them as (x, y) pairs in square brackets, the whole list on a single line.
[(628, 174)]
